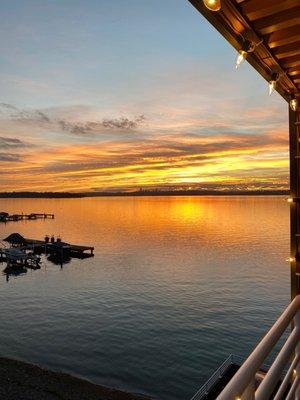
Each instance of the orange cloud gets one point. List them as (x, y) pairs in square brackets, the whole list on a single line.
[(178, 160)]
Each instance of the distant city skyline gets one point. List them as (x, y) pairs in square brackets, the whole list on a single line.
[(123, 95)]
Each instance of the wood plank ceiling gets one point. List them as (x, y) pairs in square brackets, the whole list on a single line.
[(273, 26)]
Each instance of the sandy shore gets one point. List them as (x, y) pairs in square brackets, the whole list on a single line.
[(23, 381)]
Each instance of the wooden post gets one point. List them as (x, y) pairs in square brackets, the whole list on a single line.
[(294, 193), (294, 117)]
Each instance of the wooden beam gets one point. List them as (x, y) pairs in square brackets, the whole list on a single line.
[(290, 62), (282, 20), (296, 78), (257, 9), (294, 71), (283, 37), (288, 50)]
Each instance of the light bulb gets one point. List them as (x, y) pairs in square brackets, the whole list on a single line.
[(247, 47), (294, 104), (272, 87), (290, 200), (242, 54), (213, 5), (290, 259), (273, 82)]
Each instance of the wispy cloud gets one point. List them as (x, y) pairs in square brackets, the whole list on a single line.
[(80, 149), (40, 118), (9, 142), (9, 157), (90, 127)]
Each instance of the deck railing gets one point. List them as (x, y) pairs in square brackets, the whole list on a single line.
[(243, 385)]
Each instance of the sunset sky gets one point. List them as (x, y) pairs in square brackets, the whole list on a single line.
[(117, 95)]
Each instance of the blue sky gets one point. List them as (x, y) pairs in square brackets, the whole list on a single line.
[(85, 62)]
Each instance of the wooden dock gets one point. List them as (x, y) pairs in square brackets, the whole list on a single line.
[(17, 258), (49, 246), (72, 249), (4, 217)]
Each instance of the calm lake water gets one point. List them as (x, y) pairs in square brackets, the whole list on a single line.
[(176, 285)]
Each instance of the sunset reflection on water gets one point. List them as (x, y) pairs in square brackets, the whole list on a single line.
[(176, 284)]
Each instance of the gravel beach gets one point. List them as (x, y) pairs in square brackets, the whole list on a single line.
[(23, 381)]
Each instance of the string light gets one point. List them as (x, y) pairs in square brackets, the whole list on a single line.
[(240, 58), (293, 103), (291, 259), (272, 87), (273, 82), (247, 47), (213, 5)]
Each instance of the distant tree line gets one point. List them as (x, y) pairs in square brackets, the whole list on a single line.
[(152, 192)]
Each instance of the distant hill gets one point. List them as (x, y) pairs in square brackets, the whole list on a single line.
[(57, 195)]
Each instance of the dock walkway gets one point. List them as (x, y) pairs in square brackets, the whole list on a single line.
[(21, 217)]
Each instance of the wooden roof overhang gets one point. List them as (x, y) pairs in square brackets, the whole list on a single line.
[(273, 26)]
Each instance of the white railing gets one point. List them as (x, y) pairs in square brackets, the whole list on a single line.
[(243, 385)]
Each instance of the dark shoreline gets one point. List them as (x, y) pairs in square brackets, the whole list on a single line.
[(60, 195), (21, 380)]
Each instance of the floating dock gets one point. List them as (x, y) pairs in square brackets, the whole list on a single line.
[(57, 247), (5, 217), (16, 258), (48, 245)]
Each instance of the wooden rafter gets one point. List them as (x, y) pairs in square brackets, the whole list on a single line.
[(287, 50), (282, 20), (257, 9)]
